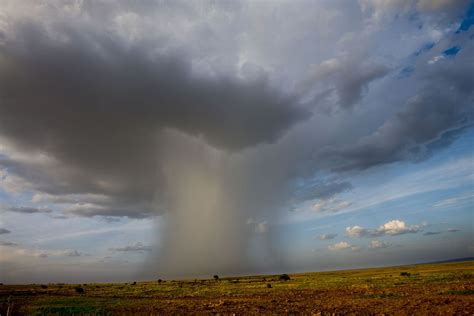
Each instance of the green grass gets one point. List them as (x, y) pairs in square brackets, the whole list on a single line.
[(437, 288), (461, 292)]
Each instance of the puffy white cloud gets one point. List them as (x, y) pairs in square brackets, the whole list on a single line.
[(396, 227), (343, 245), (357, 231), (391, 228)]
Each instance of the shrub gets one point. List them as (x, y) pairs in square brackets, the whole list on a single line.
[(79, 290), (405, 273), (216, 277), (269, 286), (44, 286), (134, 283), (160, 280), (284, 277)]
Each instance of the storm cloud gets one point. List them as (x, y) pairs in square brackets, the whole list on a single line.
[(432, 118), (212, 118), (27, 209), (4, 231), (71, 91)]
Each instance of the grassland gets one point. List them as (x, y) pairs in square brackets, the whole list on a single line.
[(430, 289)]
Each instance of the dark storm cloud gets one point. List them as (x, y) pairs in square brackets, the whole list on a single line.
[(27, 209), (403, 137), (97, 107), (88, 84), (90, 210), (431, 119), (4, 231), (431, 233), (82, 190), (346, 78), (8, 243)]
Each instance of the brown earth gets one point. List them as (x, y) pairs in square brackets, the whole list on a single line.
[(432, 289)]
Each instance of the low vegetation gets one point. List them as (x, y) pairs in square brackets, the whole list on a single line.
[(432, 289), (79, 289), (285, 277)]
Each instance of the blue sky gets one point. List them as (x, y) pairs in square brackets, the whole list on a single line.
[(435, 194), (250, 137)]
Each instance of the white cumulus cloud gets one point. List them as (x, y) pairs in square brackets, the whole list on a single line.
[(357, 231), (343, 245), (390, 228)]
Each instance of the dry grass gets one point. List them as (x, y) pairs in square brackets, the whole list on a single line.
[(446, 288)]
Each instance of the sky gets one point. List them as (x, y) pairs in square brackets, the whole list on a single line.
[(173, 139)]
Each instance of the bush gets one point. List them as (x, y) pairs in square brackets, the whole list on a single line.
[(134, 283), (44, 286), (269, 285), (79, 290), (160, 280), (284, 277), (405, 273), (216, 277)]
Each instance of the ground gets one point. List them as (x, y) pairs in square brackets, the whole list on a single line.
[(429, 289)]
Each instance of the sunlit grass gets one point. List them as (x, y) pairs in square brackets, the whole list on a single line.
[(449, 287)]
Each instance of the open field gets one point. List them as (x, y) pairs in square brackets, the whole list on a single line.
[(443, 288)]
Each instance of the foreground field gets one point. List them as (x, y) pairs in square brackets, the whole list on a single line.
[(446, 288)]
